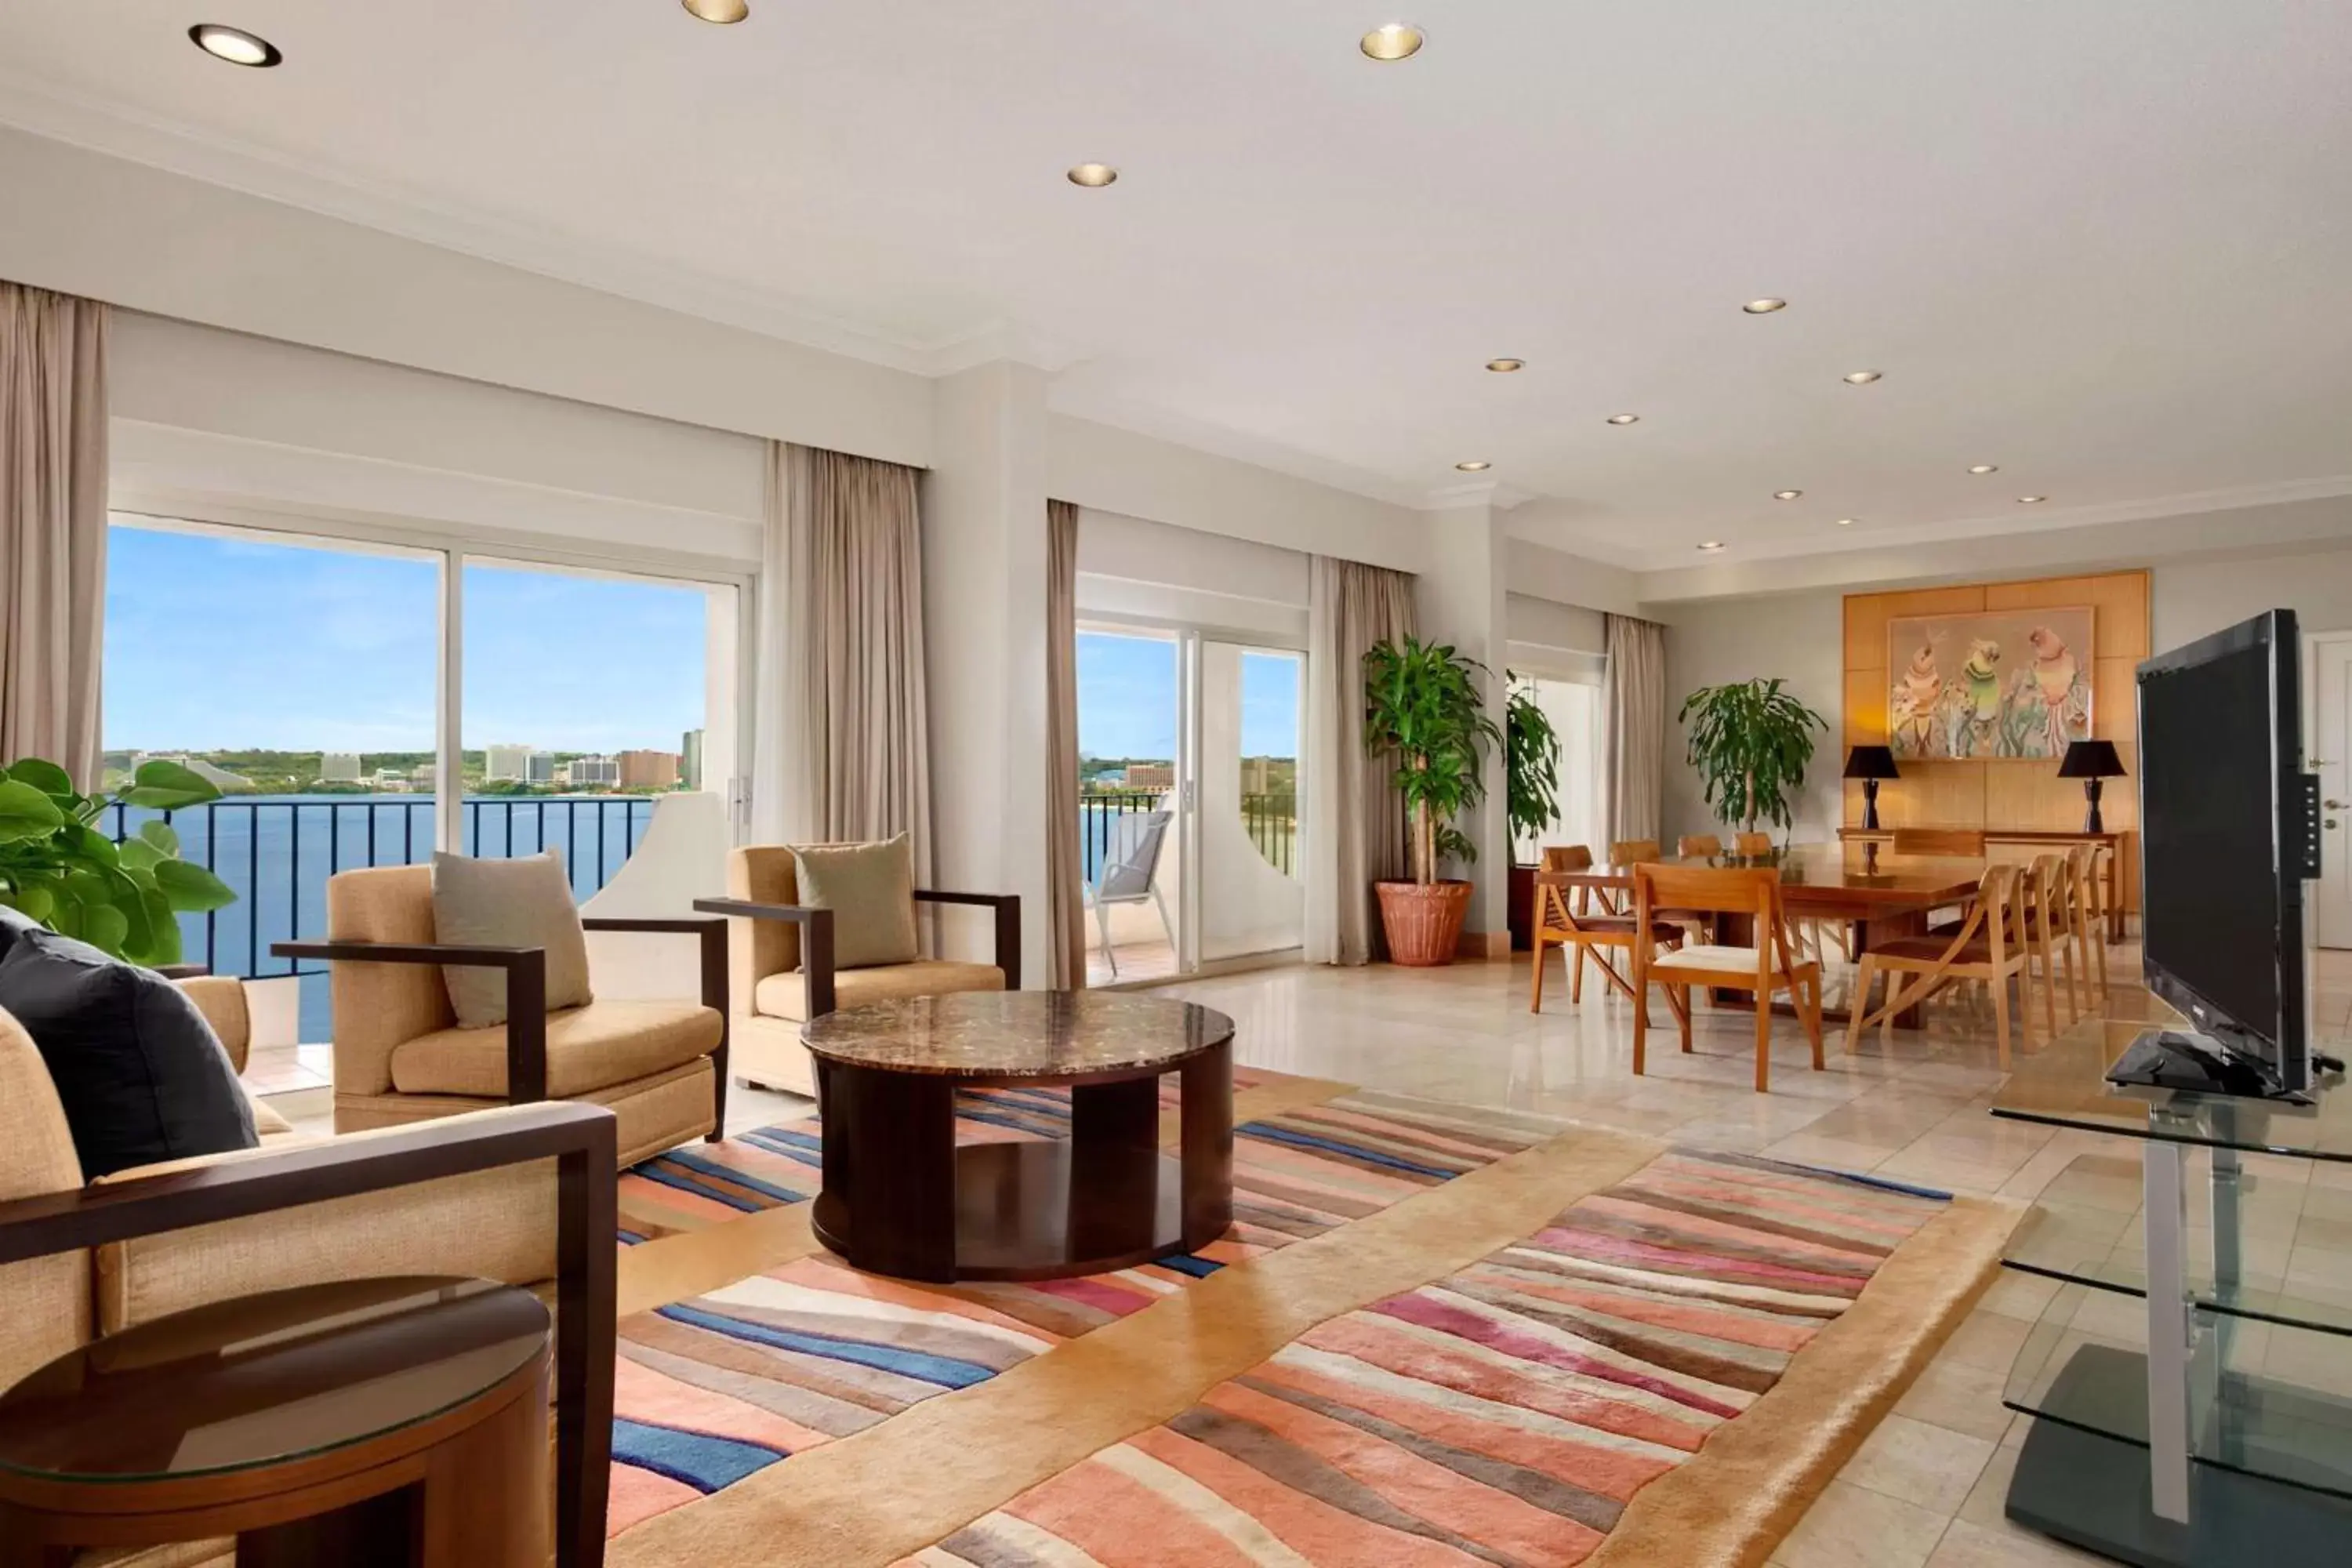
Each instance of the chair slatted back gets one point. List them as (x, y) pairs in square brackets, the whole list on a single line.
[(1751, 844), (1968, 841), (1752, 891), (1693, 845), (1551, 903), (1132, 857)]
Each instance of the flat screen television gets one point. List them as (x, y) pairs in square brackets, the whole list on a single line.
[(2227, 835)]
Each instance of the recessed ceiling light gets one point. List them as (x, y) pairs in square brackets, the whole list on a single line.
[(1712, 545), (2030, 501), (1505, 366), (1395, 41), (1785, 495), (1624, 419), (1860, 377), (234, 45), (1764, 306), (1984, 467), (1474, 466), (1845, 523), (1094, 177)]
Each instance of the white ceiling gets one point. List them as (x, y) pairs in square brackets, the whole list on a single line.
[(2107, 244)]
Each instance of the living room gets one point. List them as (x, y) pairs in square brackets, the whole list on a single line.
[(1255, 565)]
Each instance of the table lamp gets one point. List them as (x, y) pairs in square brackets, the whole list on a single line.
[(2091, 761), (1870, 765)]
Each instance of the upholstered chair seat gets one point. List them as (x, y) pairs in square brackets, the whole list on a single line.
[(786, 995), (597, 1046)]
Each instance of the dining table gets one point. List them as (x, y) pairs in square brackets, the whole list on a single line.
[(1880, 894)]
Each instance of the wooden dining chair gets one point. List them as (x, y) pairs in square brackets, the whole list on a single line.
[(2100, 914), (1765, 969), (1691, 846), (1989, 946), (1968, 841), (1751, 844), (2084, 922), (1629, 852), (2048, 894), (1577, 927)]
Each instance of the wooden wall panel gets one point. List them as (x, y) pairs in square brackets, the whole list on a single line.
[(1997, 794)]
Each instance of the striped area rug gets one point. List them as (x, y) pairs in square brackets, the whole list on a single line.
[(716, 1388), (1504, 1414)]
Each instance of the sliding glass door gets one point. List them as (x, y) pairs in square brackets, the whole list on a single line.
[(350, 718), (1572, 703), (1189, 756), (1249, 704)]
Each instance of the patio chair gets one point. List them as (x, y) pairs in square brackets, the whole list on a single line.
[(1128, 874)]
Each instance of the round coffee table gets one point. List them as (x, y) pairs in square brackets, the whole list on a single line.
[(900, 1198), (361, 1422)]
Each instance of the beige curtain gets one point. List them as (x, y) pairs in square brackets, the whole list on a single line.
[(1066, 914), (52, 526), (1355, 816), (1636, 720), (842, 752)]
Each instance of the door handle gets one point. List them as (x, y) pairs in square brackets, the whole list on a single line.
[(2333, 805), (2330, 822)]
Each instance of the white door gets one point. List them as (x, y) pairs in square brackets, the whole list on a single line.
[(2331, 748)]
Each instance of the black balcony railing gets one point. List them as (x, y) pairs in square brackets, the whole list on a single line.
[(1271, 820), (277, 854)]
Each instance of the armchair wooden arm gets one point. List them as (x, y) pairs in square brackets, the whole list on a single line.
[(1008, 925), (580, 1139), (713, 953), (525, 970), (816, 935)]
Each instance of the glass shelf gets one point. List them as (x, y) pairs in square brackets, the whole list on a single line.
[(2064, 1085), (2274, 1402)]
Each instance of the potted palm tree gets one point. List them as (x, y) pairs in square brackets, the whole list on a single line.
[(1532, 777), (1749, 742), (1423, 708)]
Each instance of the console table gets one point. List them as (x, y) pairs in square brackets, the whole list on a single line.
[(2190, 1381), (2038, 838)]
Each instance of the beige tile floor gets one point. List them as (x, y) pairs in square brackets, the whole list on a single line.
[(1925, 1490)]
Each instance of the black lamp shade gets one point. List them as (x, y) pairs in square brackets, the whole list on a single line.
[(2090, 760), (1877, 763)]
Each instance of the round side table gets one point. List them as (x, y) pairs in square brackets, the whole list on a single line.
[(902, 1198), (361, 1424)]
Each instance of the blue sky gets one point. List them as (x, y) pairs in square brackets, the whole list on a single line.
[(214, 643)]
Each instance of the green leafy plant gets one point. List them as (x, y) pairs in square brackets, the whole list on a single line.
[(122, 899), (1422, 704), (1749, 742), (1531, 754)]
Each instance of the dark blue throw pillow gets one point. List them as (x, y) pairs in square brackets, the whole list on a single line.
[(142, 1076)]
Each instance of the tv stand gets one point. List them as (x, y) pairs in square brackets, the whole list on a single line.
[(2169, 1059)]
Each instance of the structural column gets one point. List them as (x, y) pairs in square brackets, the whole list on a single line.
[(1462, 599), (985, 648)]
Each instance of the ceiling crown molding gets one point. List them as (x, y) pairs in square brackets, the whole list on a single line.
[(109, 128)]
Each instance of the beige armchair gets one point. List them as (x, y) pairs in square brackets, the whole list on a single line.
[(660, 1066), (781, 969), (524, 1196)]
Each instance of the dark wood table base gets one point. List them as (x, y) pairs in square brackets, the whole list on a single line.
[(900, 1198)]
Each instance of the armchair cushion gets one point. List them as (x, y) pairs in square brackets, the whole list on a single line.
[(786, 995), (870, 888), (588, 1049), (138, 1069), (523, 902), (43, 1303)]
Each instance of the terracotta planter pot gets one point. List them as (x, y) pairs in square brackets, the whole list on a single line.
[(1424, 924)]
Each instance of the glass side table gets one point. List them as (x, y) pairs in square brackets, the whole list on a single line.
[(358, 1423), (2190, 1380)]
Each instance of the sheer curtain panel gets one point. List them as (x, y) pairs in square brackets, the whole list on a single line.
[(52, 526), (1354, 823)]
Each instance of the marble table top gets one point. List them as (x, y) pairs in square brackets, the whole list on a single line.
[(1018, 1033)]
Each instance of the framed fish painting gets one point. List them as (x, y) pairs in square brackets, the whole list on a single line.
[(1993, 684)]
